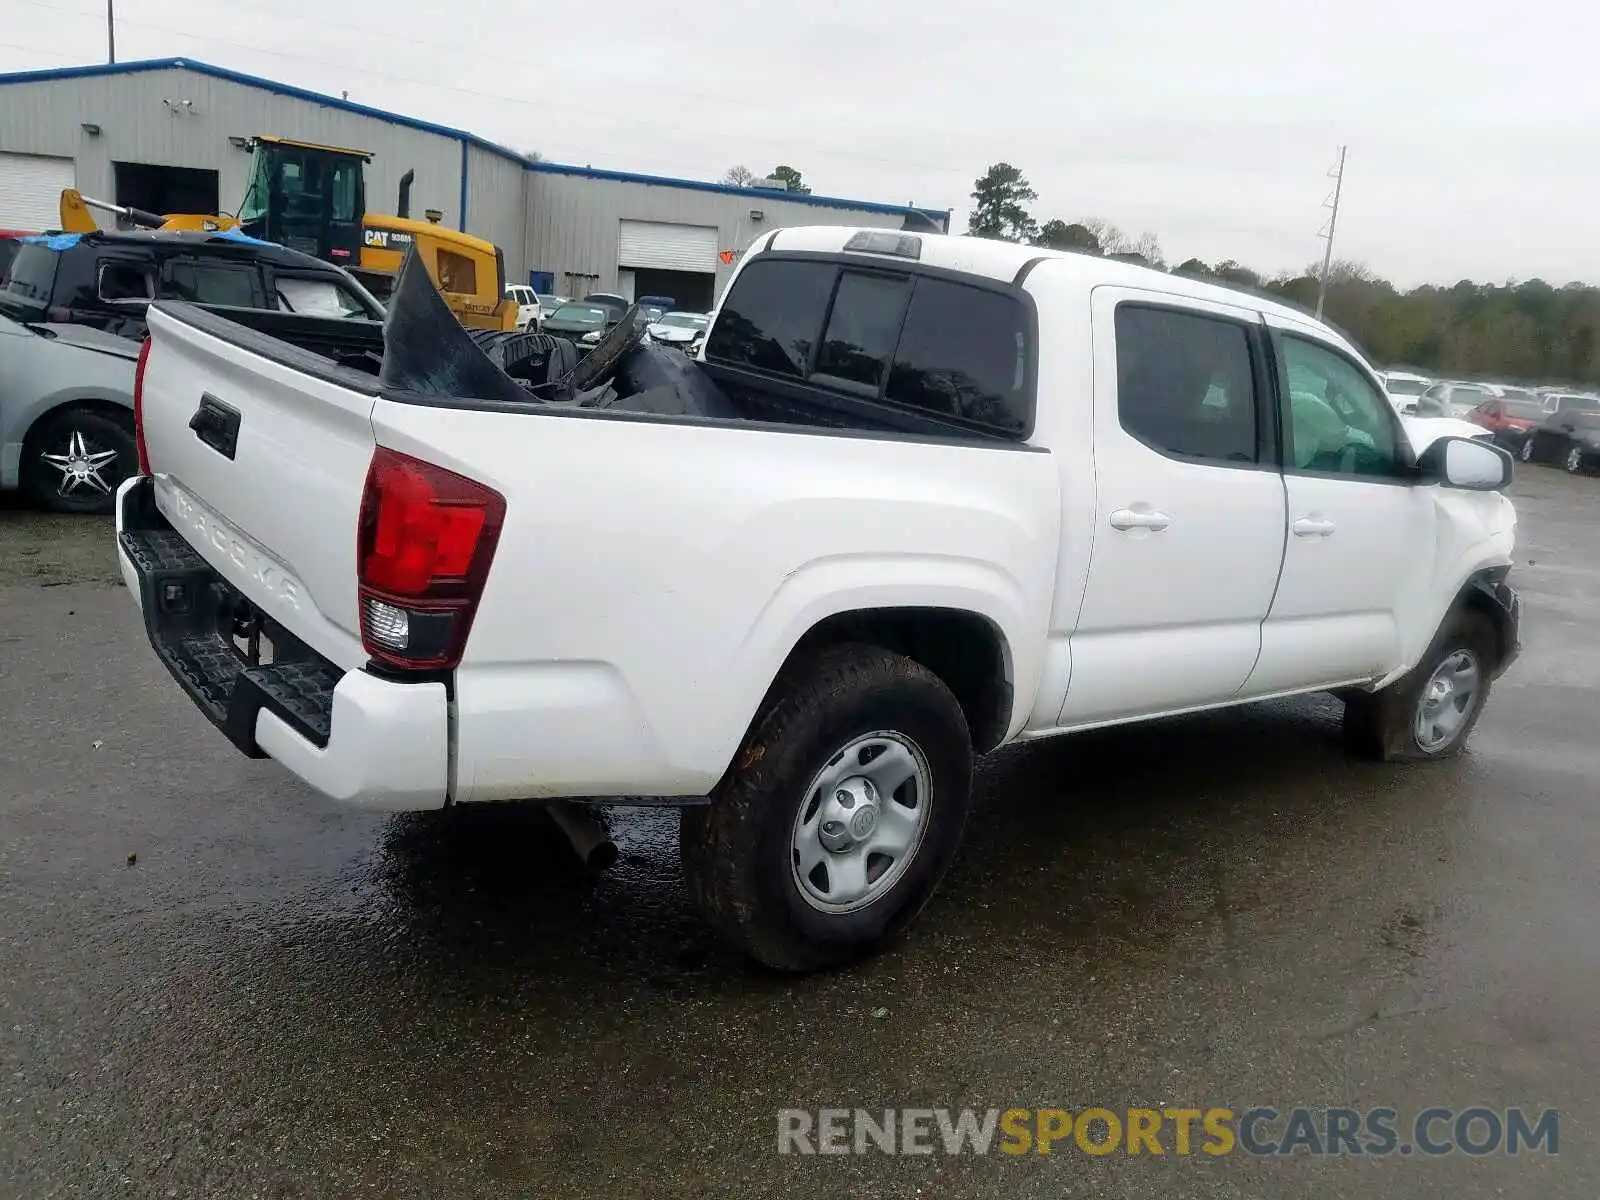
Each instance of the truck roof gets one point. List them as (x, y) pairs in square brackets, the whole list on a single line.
[(1004, 262)]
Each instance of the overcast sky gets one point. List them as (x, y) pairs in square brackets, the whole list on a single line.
[(1473, 128)]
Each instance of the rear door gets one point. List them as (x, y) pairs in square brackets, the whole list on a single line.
[(1360, 527), (1189, 508), (260, 454)]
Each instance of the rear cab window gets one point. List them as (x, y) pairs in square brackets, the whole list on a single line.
[(916, 348), (31, 279)]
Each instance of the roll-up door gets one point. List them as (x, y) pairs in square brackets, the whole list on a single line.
[(660, 245), (30, 190)]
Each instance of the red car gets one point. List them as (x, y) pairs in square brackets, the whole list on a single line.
[(1511, 421)]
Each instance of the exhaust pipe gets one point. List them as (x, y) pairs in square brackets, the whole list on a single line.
[(402, 206), (590, 841)]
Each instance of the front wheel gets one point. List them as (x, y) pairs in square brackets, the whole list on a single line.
[(75, 459), (1429, 712), (840, 815)]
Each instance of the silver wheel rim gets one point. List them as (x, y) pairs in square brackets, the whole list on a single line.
[(1447, 700), (80, 465), (861, 822), (1574, 459), (1527, 449)]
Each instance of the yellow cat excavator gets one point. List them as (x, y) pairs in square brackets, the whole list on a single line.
[(312, 198)]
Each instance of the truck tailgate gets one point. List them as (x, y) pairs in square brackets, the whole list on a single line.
[(260, 466)]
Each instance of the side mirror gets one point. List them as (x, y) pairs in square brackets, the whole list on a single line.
[(1470, 463)]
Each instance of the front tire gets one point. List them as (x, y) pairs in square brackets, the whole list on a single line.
[(74, 460), (1430, 712), (840, 815)]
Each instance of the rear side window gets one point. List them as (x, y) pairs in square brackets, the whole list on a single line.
[(772, 316), (125, 281), (964, 354), (199, 282), (1185, 385), (32, 275)]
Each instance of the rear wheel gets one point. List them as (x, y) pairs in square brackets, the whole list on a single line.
[(1574, 461), (1526, 451), (841, 814), (74, 459), (1429, 712)]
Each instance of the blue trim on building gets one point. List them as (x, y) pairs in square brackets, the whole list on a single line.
[(466, 139), (696, 185)]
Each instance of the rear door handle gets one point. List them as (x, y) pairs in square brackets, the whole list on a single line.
[(1312, 527), (1129, 518)]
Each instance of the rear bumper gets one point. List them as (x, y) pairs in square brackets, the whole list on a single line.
[(354, 736)]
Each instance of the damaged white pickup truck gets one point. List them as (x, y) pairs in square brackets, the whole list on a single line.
[(922, 496)]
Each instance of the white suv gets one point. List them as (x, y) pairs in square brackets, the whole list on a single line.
[(529, 311)]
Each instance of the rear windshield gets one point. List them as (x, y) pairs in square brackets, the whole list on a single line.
[(580, 314), (954, 351), (1406, 387), (32, 276), (1525, 409)]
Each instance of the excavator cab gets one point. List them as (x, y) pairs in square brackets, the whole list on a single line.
[(308, 197)]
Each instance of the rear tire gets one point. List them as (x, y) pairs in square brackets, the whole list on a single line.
[(74, 459), (1574, 462), (1525, 452), (1426, 714), (744, 853)]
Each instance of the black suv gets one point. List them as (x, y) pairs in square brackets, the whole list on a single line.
[(108, 279)]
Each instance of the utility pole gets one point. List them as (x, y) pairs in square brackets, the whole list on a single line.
[(1333, 221), (111, 31)]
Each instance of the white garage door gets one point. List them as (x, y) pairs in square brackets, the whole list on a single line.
[(660, 246), (30, 190)]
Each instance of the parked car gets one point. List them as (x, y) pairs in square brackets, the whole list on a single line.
[(1404, 388), (1570, 439), (1508, 419), (107, 280), (580, 322), (685, 330), (529, 311), (66, 414), (549, 302), (1453, 399), (867, 557), (614, 304), (1563, 402)]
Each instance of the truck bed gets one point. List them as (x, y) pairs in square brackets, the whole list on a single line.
[(736, 535)]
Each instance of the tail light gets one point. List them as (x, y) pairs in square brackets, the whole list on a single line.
[(138, 407), (424, 543)]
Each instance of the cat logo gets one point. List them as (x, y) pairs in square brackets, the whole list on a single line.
[(385, 239)]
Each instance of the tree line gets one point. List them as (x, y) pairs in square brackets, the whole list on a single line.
[(1531, 331)]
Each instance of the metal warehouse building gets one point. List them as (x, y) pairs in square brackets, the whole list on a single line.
[(172, 135)]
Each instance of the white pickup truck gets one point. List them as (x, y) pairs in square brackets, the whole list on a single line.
[(955, 494)]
